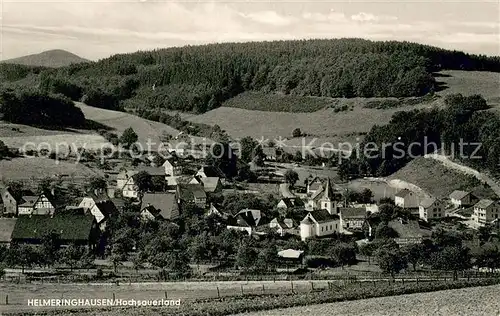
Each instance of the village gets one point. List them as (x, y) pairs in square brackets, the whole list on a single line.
[(183, 216)]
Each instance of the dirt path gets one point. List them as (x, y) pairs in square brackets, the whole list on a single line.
[(494, 185)]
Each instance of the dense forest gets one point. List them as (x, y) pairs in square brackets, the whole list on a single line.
[(32, 107), (201, 78), (464, 129)]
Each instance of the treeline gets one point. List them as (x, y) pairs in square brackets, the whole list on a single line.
[(201, 78), (32, 107), (462, 129)]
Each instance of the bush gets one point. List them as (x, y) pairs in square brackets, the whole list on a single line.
[(99, 273), (319, 261)]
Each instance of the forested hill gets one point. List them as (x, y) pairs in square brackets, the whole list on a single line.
[(200, 78)]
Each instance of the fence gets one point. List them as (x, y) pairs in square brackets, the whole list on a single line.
[(89, 277), (15, 297)]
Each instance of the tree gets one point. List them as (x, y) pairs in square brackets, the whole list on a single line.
[(4, 150), (414, 254), (72, 255), (489, 257), (343, 254), (291, 177), (96, 183), (366, 196), (143, 181), (453, 257), (51, 243), (367, 250), (2, 270), (128, 138), (296, 133), (246, 257), (383, 231), (390, 259)]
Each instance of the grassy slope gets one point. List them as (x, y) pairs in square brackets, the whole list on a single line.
[(239, 121), (27, 168), (433, 177)]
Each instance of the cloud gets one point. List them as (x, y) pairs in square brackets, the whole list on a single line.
[(270, 18), (369, 17), (87, 27)]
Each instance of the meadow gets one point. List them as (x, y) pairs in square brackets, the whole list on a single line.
[(247, 114), (23, 169), (466, 302), (438, 180)]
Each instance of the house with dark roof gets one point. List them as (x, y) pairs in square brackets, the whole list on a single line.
[(406, 199), (431, 208), (409, 231), (486, 211), (71, 228), (352, 218), (6, 228), (463, 198), (245, 220), (159, 206), (42, 204), (11, 200), (370, 225), (325, 197), (287, 203), (313, 185), (283, 225), (319, 223), (211, 184), (100, 206), (191, 193), (210, 171)]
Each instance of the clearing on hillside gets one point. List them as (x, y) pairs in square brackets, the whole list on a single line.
[(484, 83), (25, 169), (433, 177), (247, 115)]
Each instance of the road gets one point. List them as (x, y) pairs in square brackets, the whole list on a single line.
[(494, 185)]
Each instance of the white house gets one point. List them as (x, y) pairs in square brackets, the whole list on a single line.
[(319, 223), (173, 170), (486, 211), (282, 226), (36, 205), (100, 206), (406, 199), (352, 218), (431, 208)]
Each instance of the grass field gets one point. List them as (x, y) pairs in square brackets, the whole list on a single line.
[(468, 302), (37, 167), (438, 180), (244, 115), (472, 82), (279, 102)]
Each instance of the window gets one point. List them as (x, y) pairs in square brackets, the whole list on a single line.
[(322, 228), (331, 227)]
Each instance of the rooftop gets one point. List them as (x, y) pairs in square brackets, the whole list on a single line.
[(161, 204), (6, 228), (353, 212), (484, 203), (71, 227), (458, 195)]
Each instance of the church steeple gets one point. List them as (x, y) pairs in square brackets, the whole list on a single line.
[(328, 201), (328, 194)]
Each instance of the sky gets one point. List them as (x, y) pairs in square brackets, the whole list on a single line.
[(97, 29)]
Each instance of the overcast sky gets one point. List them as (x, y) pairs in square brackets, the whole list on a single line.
[(97, 29)]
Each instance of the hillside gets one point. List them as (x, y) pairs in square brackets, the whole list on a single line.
[(433, 177), (51, 58), (197, 79)]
